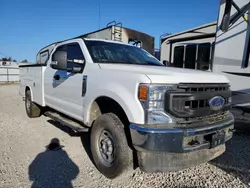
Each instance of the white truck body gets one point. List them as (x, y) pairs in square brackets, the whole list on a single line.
[(33, 77), (166, 109), (40, 80)]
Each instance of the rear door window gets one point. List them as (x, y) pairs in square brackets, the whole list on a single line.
[(44, 57)]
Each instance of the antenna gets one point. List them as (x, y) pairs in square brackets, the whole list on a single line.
[(99, 16), (2, 54)]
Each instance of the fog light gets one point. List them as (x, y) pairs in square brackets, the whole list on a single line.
[(155, 117)]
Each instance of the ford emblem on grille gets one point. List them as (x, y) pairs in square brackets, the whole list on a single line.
[(216, 103)]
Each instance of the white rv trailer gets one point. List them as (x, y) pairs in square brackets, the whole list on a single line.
[(232, 47), (209, 48), (189, 49)]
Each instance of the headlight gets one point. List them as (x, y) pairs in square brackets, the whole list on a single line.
[(152, 100)]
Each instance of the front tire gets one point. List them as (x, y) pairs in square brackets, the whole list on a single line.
[(111, 153), (32, 109)]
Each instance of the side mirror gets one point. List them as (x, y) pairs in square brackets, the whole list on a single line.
[(226, 17), (59, 60)]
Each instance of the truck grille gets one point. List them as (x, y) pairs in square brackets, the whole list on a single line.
[(194, 104), (203, 87), (192, 100)]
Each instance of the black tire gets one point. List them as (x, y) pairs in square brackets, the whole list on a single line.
[(32, 109), (122, 163)]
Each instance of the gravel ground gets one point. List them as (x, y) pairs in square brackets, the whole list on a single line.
[(25, 161)]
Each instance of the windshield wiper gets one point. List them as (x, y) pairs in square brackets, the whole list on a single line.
[(114, 61), (128, 62), (152, 63)]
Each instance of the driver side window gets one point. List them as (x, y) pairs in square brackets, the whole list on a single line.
[(73, 56)]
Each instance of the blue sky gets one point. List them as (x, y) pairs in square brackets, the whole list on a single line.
[(28, 25)]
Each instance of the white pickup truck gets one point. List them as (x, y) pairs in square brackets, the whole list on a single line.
[(136, 110)]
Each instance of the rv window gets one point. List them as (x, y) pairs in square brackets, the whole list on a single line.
[(135, 43), (190, 56), (178, 56), (203, 56)]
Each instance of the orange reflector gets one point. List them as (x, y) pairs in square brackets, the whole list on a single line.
[(143, 92)]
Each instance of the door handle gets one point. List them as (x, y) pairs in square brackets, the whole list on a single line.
[(57, 77)]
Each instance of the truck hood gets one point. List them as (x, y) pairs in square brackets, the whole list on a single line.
[(162, 74)]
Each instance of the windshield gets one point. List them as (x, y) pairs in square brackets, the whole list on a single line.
[(108, 52)]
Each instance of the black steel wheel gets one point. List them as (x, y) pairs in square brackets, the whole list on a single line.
[(111, 153), (106, 147)]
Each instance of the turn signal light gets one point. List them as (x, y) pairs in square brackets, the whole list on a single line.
[(143, 92)]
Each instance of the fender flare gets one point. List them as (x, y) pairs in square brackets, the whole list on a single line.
[(130, 112), (27, 87)]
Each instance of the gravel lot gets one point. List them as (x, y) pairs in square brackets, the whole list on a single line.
[(25, 161)]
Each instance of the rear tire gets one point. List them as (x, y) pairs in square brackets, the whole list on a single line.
[(111, 154), (32, 109)]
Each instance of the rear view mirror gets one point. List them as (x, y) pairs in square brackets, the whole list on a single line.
[(59, 60), (226, 17)]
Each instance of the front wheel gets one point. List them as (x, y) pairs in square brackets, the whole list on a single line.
[(111, 153)]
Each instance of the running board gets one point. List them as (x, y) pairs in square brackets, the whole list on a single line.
[(64, 121)]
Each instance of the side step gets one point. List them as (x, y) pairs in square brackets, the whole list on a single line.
[(69, 123)]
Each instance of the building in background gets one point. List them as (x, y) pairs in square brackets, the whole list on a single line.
[(9, 71), (8, 63)]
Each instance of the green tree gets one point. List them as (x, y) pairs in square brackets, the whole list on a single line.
[(4, 59), (24, 61)]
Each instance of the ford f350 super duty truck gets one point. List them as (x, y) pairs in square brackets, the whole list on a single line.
[(136, 110)]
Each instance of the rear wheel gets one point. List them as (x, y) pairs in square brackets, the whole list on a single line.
[(111, 153), (32, 109)]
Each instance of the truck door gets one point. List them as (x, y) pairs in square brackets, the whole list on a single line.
[(63, 88)]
